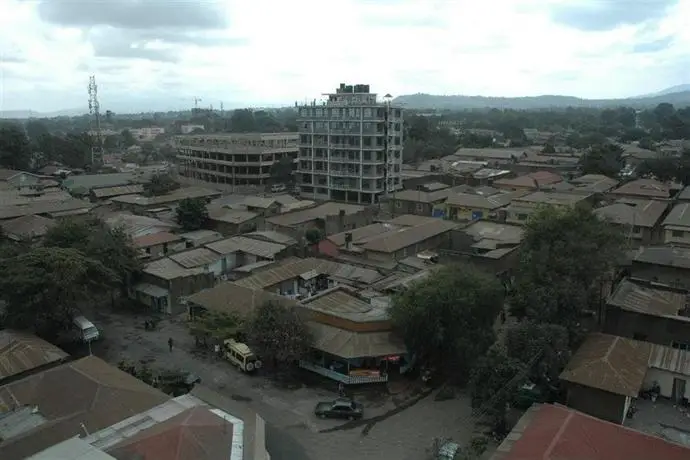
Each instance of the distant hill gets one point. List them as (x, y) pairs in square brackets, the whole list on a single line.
[(429, 101), (22, 114)]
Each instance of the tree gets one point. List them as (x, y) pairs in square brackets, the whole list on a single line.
[(192, 213), (447, 319), (15, 152), (549, 147), (564, 257), (494, 381), (313, 235), (276, 334), (94, 238), (549, 342), (604, 159), (215, 327), (281, 171), (127, 138), (44, 286), (160, 184), (667, 168)]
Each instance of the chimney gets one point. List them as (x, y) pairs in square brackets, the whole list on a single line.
[(341, 220)]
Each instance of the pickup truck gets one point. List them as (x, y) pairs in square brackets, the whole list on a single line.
[(340, 408)]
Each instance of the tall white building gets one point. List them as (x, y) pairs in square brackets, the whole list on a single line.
[(350, 147)]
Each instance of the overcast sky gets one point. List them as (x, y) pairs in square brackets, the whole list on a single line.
[(159, 54)]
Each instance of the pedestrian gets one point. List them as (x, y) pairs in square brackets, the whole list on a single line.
[(341, 389), (503, 316), (170, 343)]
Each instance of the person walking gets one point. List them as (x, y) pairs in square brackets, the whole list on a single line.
[(170, 344)]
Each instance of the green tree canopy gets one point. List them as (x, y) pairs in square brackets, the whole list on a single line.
[(447, 319), (565, 255), (494, 381), (44, 286), (527, 340), (95, 239), (277, 334), (15, 151), (192, 213), (606, 159), (160, 184), (281, 171)]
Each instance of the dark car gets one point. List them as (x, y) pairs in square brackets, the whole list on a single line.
[(340, 408)]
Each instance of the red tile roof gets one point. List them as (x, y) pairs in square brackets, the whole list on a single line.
[(154, 239), (560, 433), (195, 434)]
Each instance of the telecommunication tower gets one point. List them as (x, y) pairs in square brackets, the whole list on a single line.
[(95, 113)]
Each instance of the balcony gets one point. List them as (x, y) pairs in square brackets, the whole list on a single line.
[(346, 173)]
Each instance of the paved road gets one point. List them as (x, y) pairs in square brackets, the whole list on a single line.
[(293, 433)]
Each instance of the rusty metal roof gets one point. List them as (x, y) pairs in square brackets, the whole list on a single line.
[(195, 258), (396, 240), (610, 363), (20, 352), (229, 297), (348, 344), (648, 298), (248, 245), (344, 303)]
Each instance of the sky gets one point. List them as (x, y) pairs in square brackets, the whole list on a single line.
[(161, 54)]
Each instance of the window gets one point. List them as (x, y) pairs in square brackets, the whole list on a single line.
[(420, 207), (678, 233), (637, 229), (522, 216), (398, 204)]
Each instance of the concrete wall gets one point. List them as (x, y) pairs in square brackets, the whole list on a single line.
[(677, 237), (597, 403), (665, 381)]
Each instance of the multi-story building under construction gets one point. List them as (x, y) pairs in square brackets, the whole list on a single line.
[(350, 147), (233, 159)]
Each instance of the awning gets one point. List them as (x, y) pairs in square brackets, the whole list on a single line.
[(151, 290), (348, 344)]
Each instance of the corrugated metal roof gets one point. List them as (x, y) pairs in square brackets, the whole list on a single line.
[(273, 237), (343, 303), (648, 299), (20, 352), (195, 258), (107, 192), (348, 344), (610, 363), (664, 255), (318, 212), (153, 239), (229, 297), (47, 207), (670, 359), (402, 238), (168, 269), (248, 245), (28, 226)]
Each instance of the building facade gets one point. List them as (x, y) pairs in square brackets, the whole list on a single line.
[(350, 147), (233, 159)]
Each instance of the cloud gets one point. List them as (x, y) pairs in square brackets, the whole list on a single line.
[(160, 54), (653, 46), (133, 14), (601, 15)]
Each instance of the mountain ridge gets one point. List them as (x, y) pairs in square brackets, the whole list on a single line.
[(461, 102)]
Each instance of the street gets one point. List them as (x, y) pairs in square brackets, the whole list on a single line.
[(293, 432)]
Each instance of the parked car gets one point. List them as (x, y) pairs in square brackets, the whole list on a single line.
[(340, 408)]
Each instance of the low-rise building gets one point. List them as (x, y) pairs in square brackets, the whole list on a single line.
[(106, 193), (21, 353), (238, 251), (466, 207), (137, 226), (155, 245), (649, 311), (52, 209), (531, 181), (353, 338), (418, 202), (594, 183), (650, 189), (662, 264), (395, 239), (676, 226), (82, 184), (551, 432), (328, 218), (490, 245), (608, 372), (229, 222), (199, 238), (27, 228), (521, 208), (639, 220), (75, 398), (142, 204), (12, 179)]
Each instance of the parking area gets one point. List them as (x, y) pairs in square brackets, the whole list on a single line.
[(293, 432)]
